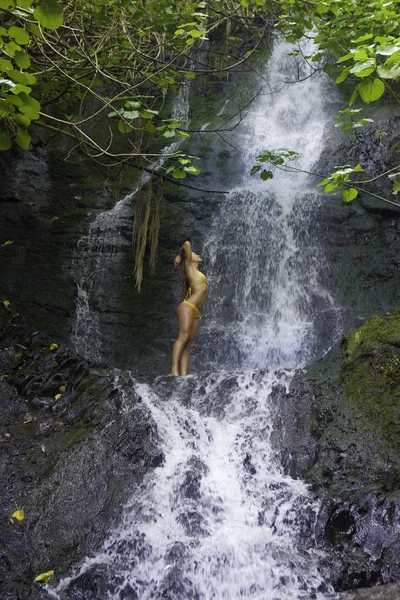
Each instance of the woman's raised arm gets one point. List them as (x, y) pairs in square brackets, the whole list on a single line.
[(186, 253)]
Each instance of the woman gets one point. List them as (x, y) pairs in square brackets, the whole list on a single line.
[(188, 312)]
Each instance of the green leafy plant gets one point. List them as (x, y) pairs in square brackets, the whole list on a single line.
[(66, 66), (357, 43)]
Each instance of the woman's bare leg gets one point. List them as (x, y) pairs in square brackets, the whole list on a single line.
[(183, 365), (185, 321)]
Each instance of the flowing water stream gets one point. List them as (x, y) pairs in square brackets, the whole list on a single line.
[(218, 520)]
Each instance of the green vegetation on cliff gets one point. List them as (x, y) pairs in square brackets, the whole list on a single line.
[(371, 373)]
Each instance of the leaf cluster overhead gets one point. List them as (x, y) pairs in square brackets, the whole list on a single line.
[(68, 65), (358, 42)]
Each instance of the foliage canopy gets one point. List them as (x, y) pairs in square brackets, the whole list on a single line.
[(70, 65)]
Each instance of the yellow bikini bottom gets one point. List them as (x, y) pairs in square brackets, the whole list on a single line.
[(195, 309)]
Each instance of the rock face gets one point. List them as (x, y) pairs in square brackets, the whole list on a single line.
[(361, 239), (67, 232), (338, 427), (73, 446), (384, 592)]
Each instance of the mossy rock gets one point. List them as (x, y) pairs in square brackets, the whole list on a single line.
[(371, 376)]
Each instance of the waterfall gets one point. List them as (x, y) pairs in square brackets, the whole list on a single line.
[(264, 255), (219, 520)]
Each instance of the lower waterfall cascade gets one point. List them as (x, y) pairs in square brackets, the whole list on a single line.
[(218, 519)]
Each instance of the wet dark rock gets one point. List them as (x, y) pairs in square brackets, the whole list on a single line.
[(382, 592), (361, 240), (92, 585), (73, 446), (192, 522), (176, 553), (176, 586), (343, 412)]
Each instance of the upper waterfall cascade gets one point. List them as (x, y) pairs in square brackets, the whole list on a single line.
[(218, 520)]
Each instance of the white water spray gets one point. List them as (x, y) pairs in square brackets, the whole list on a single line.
[(218, 520)]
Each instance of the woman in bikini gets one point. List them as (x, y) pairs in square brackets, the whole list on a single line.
[(188, 312)]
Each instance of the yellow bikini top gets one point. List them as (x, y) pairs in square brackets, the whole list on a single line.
[(202, 279)]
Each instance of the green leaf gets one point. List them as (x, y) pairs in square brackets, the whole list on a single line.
[(255, 169), (344, 58), (49, 14), (5, 65), (132, 104), (30, 79), (115, 113), (324, 181), (124, 127), (178, 174), (363, 68), (361, 55), (131, 114), (27, 100), (22, 120), (150, 128), (148, 114), (379, 39), (6, 4), (245, 3), (358, 169), (14, 100), (30, 112), (18, 76), (169, 133), (266, 175), (184, 161), (183, 134), (11, 48), (394, 58), (21, 88), (21, 36), (195, 33), (23, 138), (22, 60), (5, 141), (354, 95), (371, 90), (388, 50), (363, 38), (330, 187), (389, 72), (192, 170), (396, 189), (349, 195), (343, 75)]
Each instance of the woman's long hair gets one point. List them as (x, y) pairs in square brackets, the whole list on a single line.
[(184, 279)]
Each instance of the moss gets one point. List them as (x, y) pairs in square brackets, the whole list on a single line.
[(68, 438), (371, 377), (115, 491)]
